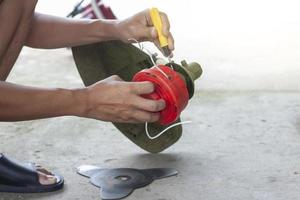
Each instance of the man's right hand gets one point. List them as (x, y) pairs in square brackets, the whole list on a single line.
[(115, 100)]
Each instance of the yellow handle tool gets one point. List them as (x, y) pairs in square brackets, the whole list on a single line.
[(157, 22)]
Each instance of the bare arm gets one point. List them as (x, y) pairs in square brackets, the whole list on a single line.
[(55, 32), (19, 103)]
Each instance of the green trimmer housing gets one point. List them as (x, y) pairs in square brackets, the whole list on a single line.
[(101, 60)]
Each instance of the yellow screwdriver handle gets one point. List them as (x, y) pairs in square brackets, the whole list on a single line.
[(157, 22)]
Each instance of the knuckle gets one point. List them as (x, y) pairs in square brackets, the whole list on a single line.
[(125, 114), (125, 117), (115, 78)]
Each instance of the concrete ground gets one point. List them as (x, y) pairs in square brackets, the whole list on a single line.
[(242, 144)]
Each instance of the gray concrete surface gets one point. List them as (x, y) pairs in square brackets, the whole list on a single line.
[(242, 145)]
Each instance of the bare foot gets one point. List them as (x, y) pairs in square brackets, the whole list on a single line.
[(45, 177)]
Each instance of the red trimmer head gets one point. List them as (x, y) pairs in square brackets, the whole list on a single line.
[(172, 85)]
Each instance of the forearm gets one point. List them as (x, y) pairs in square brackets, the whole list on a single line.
[(56, 32), (18, 103)]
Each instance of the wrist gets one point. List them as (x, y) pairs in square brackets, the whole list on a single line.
[(107, 29), (80, 102)]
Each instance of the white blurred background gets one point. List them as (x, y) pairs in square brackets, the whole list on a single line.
[(242, 45)]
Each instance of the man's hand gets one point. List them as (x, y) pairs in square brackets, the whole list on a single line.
[(118, 101), (140, 27)]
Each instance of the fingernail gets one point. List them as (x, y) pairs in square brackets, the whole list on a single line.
[(162, 104)]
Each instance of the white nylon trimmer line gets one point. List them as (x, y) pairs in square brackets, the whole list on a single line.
[(155, 65)]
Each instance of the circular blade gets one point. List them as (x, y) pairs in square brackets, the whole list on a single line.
[(121, 178)]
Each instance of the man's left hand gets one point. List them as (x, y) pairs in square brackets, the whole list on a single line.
[(140, 28)]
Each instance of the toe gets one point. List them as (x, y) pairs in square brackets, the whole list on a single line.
[(45, 179)]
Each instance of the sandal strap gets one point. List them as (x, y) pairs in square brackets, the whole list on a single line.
[(14, 173)]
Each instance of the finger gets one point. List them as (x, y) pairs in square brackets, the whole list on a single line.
[(165, 24), (157, 44), (137, 116), (132, 121), (143, 116), (144, 87), (148, 104), (154, 34), (164, 19), (171, 42)]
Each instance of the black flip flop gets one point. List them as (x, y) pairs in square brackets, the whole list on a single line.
[(23, 178)]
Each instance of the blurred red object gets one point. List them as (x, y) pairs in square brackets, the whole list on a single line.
[(169, 86)]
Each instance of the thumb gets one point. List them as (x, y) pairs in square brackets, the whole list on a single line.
[(144, 87)]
